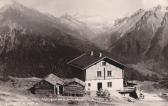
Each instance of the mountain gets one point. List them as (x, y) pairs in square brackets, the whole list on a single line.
[(120, 27), (88, 27), (140, 40), (34, 44), (158, 47), (136, 38), (98, 24), (75, 27)]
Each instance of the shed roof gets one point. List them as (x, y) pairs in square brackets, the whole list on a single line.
[(86, 60), (53, 79), (68, 81)]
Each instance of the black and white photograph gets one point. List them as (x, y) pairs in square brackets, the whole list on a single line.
[(83, 52)]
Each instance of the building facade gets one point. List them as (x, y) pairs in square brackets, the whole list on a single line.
[(99, 72), (103, 75)]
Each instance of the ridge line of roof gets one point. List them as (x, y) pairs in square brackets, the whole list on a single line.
[(115, 60), (76, 58), (93, 63), (75, 66)]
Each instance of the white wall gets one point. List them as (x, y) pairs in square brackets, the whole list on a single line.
[(116, 84), (116, 78), (91, 73)]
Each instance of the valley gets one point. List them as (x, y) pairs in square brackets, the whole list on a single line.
[(133, 40), (34, 44)]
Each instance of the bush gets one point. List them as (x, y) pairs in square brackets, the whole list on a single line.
[(103, 94)]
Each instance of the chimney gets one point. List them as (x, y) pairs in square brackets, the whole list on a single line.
[(91, 53), (100, 54)]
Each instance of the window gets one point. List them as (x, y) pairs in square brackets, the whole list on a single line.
[(109, 73), (103, 63), (98, 73), (109, 84), (89, 84)]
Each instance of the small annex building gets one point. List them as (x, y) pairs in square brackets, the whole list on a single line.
[(74, 87)]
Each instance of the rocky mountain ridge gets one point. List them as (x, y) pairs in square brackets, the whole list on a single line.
[(141, 39)]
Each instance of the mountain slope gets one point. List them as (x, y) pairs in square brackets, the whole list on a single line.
[(75, 27), (120, 27), (158, 48), (19, 16), (140, 40), (35, 44)]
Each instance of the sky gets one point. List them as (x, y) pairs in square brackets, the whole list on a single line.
[(104, 8)]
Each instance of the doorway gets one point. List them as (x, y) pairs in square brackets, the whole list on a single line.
[(99, 85), (60, 89)]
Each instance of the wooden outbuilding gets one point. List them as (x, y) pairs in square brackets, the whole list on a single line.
[(74, 87), (50, 85)]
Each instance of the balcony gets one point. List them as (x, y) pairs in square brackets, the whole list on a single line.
[(127, 90)]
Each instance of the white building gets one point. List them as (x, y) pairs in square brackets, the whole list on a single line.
[(99, 72)]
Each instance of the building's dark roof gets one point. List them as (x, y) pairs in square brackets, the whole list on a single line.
[(68, 81), (85, 61)]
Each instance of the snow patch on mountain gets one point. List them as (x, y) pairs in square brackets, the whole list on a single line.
[(97, 24)]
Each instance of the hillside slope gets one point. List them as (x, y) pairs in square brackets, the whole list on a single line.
[(140, 40), (34, 44)]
